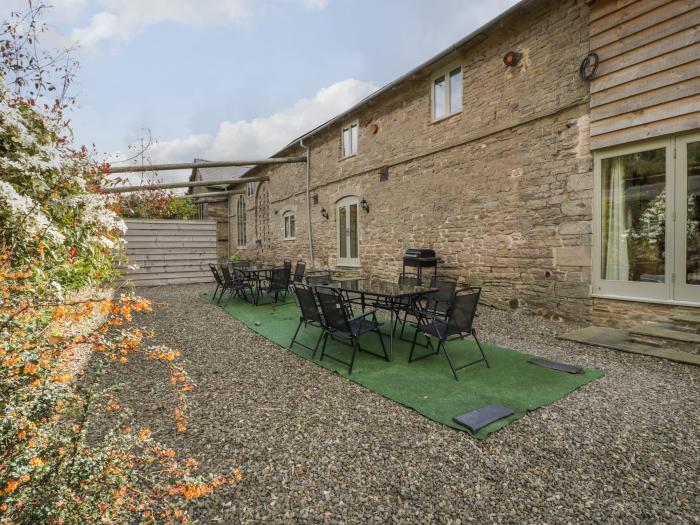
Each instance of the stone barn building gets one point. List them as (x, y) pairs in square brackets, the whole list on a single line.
[(565, 188)]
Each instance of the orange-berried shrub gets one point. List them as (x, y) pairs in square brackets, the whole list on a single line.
[(50, 470)]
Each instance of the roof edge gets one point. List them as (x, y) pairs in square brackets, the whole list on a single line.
[(440, 56)]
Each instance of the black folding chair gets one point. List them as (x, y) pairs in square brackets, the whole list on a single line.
[(220, 285), (339, 325), (279, 281), (457, 324), (319, 278), (310, 314), (234, 283), (298, 277), (436, 302)]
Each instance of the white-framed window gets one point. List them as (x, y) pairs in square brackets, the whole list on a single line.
[(290, 226), (251, 189), (241, 221), (349, 138), (646, 220), (446, 93)]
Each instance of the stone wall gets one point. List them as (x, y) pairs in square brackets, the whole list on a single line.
[(502, 191), (625, 314), (218, 211)]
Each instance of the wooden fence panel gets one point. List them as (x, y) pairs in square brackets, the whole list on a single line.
[(169, 252)]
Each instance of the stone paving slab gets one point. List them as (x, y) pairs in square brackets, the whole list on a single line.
[(617, 339)]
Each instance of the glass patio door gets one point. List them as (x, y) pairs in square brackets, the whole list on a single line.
[(647, 209), (633, 210), (347, 226), (687, 239)]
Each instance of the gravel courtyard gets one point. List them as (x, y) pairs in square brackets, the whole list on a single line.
[(316, 448)]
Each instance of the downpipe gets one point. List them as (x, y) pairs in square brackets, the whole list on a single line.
[(308, 202)]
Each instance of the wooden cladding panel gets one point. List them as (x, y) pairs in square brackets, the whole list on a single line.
[(648, 82), (169, 252)]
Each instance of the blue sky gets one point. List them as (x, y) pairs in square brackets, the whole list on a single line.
[(240, 78)]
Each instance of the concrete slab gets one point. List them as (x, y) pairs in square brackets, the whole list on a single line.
[(617, 339)]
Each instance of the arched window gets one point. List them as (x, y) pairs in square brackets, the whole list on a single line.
[(290, 227), (240, 221)]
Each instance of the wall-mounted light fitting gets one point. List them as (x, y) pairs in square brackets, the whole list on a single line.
[(324, 213), (512, 58), (364, 205)]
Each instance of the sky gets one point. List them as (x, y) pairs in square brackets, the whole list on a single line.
[(232, 79)]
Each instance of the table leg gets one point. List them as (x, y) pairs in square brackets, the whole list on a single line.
[(392, 325)]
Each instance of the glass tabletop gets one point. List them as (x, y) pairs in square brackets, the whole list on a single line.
[(256, 269), (378, 287)]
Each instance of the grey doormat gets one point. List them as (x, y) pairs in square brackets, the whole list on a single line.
[(554, 365), (479, 418)]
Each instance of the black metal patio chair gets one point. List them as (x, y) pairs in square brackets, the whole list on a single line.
[(277, 285), (319, 278), (310, 315), (339, 325), (240, 264), (235, 283), (220, 285), (458, 323), (436, 302), (298, 277)]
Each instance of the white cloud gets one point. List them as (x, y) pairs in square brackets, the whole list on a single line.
[(261, 137), (122, 19)]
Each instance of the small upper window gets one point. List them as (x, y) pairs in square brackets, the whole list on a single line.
[(251, 189), (290, 227), (447, 93), (350, 139)]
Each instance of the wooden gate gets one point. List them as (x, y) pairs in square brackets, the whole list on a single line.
[(169, 252)]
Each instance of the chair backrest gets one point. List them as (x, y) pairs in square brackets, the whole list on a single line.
[(462, 310), (287, 263), (279, 279), (228, 280), (408, 279), (307, 303), (241, 264), (217, 275), (442, 298), (333, 308), (237, 275), (299, 272), (319, 278)]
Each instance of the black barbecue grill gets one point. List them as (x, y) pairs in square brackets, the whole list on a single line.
[(420, 258)]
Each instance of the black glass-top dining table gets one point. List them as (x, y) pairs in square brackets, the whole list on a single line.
[(258, 274), (390, 296)]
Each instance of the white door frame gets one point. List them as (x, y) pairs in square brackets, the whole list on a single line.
[(629, 289), (673, 290), (346, 203), (682, 290)]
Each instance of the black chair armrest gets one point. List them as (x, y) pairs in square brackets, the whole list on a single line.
[(370, 312)]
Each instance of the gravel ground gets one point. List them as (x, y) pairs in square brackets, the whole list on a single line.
[(316, 448)]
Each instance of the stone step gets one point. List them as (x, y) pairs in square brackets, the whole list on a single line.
[(688, 322), (619, 339), (666, 335)]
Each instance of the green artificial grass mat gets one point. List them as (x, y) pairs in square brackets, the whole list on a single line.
[(427, 385)]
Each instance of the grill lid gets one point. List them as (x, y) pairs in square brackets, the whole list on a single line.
[(419, 253)]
